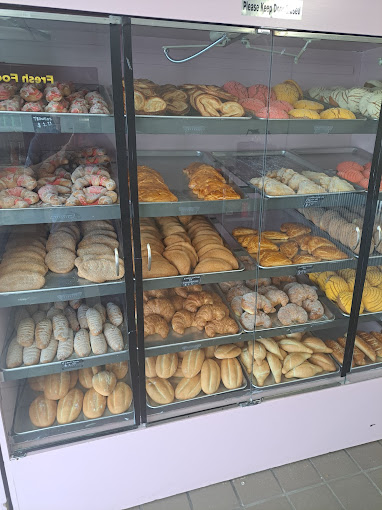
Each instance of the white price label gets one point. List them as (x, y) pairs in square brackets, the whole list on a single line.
[(280, 9)]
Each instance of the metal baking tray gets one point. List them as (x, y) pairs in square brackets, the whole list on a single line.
[(272, 221), (270, 382), (202, 396), (24, 430), (246, 165), (170, 165), (329, 158), (192, 337)]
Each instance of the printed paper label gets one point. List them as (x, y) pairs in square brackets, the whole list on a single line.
[(279, 9)]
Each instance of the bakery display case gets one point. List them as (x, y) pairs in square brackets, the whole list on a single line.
[(65, 271), (255, 199)]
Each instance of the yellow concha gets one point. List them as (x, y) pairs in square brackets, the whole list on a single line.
[(351, 282), (344, 301), (347, 273), (372, 299), (334, 285), (373, 276), (286, 92), (322, 279), (313, 277)]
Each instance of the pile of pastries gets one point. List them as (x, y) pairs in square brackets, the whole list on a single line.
[(57, 331), (285, 357), (278, 301), (56, 97), (188, 374), (186, 307), (80, 395), (183, 245), (282, 101), (292, 244), (339, 287), (286, 181), (70, 179), (367, 348), (342, 224), (151, 186), (354, 172), (209, 184), (29, 254), (204, 100), (364, 100)]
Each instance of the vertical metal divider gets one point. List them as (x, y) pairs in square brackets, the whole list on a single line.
[(132, 170), (124, 193), (367, 233)]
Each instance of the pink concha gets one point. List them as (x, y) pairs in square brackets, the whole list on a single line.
[(236, 89), (367, 166), (283, 105), (272, 113), (262, 93), (349, 165), (366, 173), (364, 183), (251, 104)]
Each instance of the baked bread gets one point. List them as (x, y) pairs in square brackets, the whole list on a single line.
[(227, 351), (81, 344), (192, 363), (85, 376), (119, 369), (56, 386), (113, 337), (275, 365), (120, 399), (14, 354), (94, 404), (31, 355), (104, 382), (231, 373), (324, 361), (293, 360), (316, 345), (48, 354), (26, 332), (306, 369), (210, 376), (155, 324), (70, 406), (166, 365), (273, 258), (42, 411), (188, 388), (261, 372), (160, 390)]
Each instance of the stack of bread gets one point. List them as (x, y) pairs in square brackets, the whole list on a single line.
[(186, 307), (341, 224), (293, 244), (187, 374), (339, 287), (80, 395), (184, 245), (209, 184), (294, 303), (286, 357), (364, 100), (22, 265), (58, 331), (205, 100), (97, 252), (151, 186), (286, 181), (61, 247), (367, 348)]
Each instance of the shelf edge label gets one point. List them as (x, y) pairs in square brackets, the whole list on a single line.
[(279, 9), (72, 364), (191, 280)]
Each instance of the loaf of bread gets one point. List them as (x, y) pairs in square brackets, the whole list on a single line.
[(17, 281), (98, 344), (94, 321), (324, 361), (56, 386), (70, 406), (42, 411), (73, 378), (227, 351), (113, 337), (114, 314), (48, 354), (275, 365), (160, 390), (210, 376), (192, 363), (26, 332), (231, 373), (306, 369), (43, 333), (102, 311), (166, 365), (293, 360), (37, 383), (14, 354), (94, 404), (120, 399), (85, 376), (60, 327), (150, 364), (261, 372), (65, 349), (60, 260), (82, 343), (316, 344), (31, 355), (104, 382), (81, 316)]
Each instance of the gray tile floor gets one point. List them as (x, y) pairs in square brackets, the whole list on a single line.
[(345, 480)]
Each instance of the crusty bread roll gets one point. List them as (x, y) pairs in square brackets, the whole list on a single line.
[(82, 343), (71, 315), (14, 354), (316, 344), (150, 369), (101, 310), (227, 351), (73, 378), (56, 386), (113, 337), (94, 319), (306, 369), (188, 388), (85, 376), (192, 362), (166, 365), (48, 354), (60, 327), (231, 373), (120, 399), (42, 411), (81, 316), (209, 351), (37, 383), (114, 314), (94, 404), (43, 333), (98, 344), (104, 382), (31, 355), (210, 376), (65, 349), (120, 369), (70, 407), (160, 390), (294, 359), (324, 361), (26, 332), (275, 365)]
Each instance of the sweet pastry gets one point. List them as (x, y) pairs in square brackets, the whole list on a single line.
[(292, 314), (337, 113), (303, 113), (309, 105), (272, 258)]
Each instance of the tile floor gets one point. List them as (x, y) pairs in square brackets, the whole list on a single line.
[(345, 480)]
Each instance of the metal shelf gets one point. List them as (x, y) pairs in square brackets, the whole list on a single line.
[(62, 287), (24, 122), (246, 126), (33, 215)]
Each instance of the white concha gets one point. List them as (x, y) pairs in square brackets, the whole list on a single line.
[(354, 97), (82, 343), (114, 314), (25, 332), (98, 343), (364, 103), (113, 337), (65, 349), (81, 316), (94, 321), (14, 354), (31, 355), (43, 333), (60, 327), (102, 310), (374, 104), (71, 315), (48, 354)]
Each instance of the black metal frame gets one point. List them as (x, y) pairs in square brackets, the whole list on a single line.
[(132, 170)]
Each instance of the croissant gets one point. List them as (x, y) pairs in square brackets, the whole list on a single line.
[(207, 313), (197, 299), (159, 306), (155, 324), (225, 326), (182, 320)]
